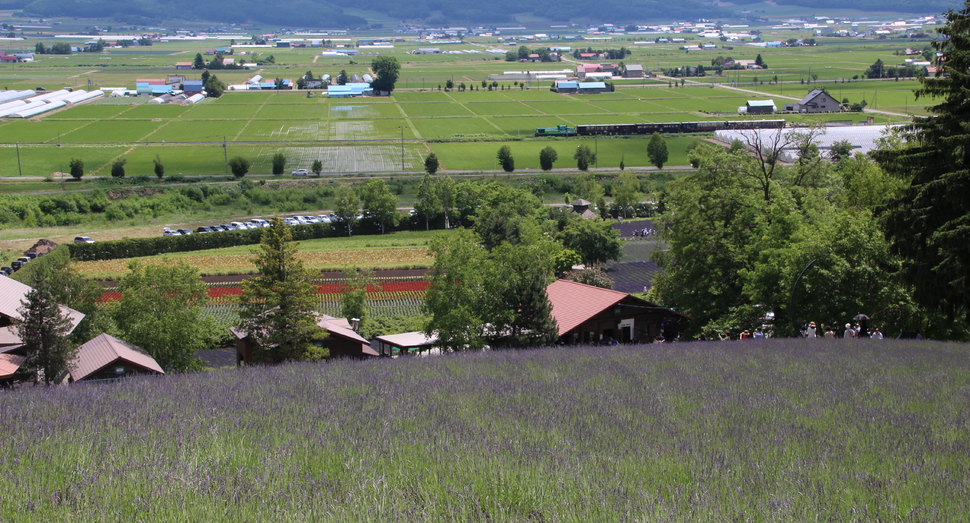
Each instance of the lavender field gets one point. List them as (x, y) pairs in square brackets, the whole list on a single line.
[(787, 430)]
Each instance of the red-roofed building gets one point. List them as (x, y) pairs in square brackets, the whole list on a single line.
[(183, 65), (9, 364), (342, 341), (106, 357), (587, 314)]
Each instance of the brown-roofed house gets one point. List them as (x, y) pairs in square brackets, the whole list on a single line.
[(342, 341), (12, 294), (587, 314), (106, 357)]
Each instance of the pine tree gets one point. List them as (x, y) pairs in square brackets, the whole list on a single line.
[(279, 306), (928, 225), (44, 329)]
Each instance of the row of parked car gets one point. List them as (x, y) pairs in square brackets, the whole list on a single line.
[(255, 223), (17, 264)]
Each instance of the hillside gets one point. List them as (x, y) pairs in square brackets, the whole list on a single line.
[(779, 430), (322, 14)]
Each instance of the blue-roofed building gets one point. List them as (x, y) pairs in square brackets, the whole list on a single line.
[(593, 87), (350, 90), (567, 86), (190, 87), (158, 90), (143, 88)]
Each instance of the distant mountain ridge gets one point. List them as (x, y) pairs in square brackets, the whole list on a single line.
[(323, 14)]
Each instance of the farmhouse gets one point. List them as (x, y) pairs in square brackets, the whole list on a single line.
[(106, 357), (567, 86), (342, 341), (404, 343), (587, 314), (593, 87), (183, 65), (817, 101), (191, 87)]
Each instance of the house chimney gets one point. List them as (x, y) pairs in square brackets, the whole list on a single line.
[(355, 324)]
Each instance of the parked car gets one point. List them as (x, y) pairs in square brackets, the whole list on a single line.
[(23, 259), (239, 226), (323, 218), (169, 232), (184, 232), (6, 271), (83, 239), (300, 172), (260, 222), (291, 221), (32, 255), (16, 265), (204, 229)]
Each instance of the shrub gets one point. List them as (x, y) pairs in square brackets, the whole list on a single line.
[(239, 166), (279, 163), (77, 168)]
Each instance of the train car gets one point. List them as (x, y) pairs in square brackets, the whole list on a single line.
[(560, 130), (674, 127)]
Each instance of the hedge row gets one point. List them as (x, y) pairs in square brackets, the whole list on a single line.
[(36, 269), (136, 247)]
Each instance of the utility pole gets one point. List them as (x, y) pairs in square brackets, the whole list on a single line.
[(225, 153), (19, 168)]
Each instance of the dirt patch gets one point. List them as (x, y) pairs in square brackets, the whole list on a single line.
[(43, 246), (126, 193)]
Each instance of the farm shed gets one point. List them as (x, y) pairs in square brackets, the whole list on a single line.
[(350, 90), (567, 86), (758, 107), (106, 357), (183, 65), (191, 87), (194, 99), (633, 71), (404, 343), (587, 314), (342, 341), (12, 293), (9, 96), (581, 207), (593, 87)]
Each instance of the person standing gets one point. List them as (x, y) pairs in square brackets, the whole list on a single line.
[(849, 333), (812, 331), (829, 333), (876, 334), (758, 334)]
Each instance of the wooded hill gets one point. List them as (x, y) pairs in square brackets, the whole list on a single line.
[(322, 14)]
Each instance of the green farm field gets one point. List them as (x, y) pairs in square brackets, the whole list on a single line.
[(361, 134)]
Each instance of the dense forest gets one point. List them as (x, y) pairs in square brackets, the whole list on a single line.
[(318, 13)]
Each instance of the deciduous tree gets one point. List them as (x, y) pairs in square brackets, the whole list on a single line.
[(159, 168), (376, 198), (76, 167), (431, 163), (387, 70), (657, 150), (347, 206), (547, 157), (505, 158), (584, 157), (279, 163), (161, 312), (239, 166)]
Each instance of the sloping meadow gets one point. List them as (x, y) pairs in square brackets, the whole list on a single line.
[(786, 430)]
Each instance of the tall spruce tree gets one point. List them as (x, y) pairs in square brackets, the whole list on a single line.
[(279, 306), (928, 225), (43, 329)]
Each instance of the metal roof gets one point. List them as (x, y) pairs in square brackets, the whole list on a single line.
[(761, 103), (12, 293), (105, 350), (408, 340), (573, 303), (592, 85), (9, 363)]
